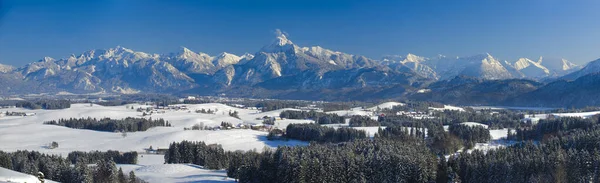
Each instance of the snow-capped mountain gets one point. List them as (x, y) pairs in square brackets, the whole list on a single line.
[(559, 66), (278, 66), (532, 69), (413, 62), (6, 68), (284, 58), (484, 66), (591, 68)]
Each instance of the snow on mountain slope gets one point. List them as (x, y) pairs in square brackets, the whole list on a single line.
[(531, 69), (413, 62), (284, 58), (483, 66), (559, 66), (6, 68), (590, 68)]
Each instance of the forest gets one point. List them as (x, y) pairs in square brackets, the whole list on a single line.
[(128, 124), (44, 104), (63, 170), (553, 150), (319, 117), (95, 156), (318, 133)]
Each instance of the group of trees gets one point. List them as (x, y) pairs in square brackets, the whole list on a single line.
[(553, 127), (128, 124), (319, 117), (357, 120), (96, 156), (318, 133), (470, 134), (210, 156), (59, 169), (44, 104), (380, 160), (271, 105)]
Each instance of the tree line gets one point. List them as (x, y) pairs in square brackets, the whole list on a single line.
[(470, 134), (60, 169), (319, 117), (95, 156), (318, 133), (44, 104), (381, 160), (128, 124)]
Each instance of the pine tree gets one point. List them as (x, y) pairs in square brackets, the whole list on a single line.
[(121, 177), (132, 178)]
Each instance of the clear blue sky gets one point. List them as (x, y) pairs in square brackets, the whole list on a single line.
[(507, 29)]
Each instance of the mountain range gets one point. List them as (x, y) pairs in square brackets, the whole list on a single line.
[(283, 69)]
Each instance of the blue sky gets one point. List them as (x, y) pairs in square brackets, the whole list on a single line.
[(507, 29)]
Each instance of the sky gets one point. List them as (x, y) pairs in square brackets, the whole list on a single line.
[(507, 29)]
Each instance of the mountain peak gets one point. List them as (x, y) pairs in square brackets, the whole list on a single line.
[(281, 43), (47, 59)]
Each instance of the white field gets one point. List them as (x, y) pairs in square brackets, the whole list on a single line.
[(471, 124), (29, 133), (386, 105), (7, 175), (351, 112), (448, 107), (577, 114)]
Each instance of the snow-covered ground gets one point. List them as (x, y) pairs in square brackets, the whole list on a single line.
[(511, 108), (351, 112), (577, 114), (448, 107), (7, 175), (29, 133), (471, 124), (386, 105)]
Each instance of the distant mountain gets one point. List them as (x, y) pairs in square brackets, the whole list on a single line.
[(559, 66), (483, 66), (532, 69), (410, 61), (591, 68), (6, 68), (284, 58), (584, 91), (283, 69), (468, 90)]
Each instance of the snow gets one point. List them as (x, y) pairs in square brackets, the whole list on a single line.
[(577, 114), (471, 124), (29, 133), (511, 108), (448, 107), (177, 173), (351, 112), (499, 134), (7, 175), (282, 124), (387, 105)]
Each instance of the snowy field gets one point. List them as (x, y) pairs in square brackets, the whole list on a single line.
[(29, 133), (7, 175), (511, 108), (448, 107), (387, 105)]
